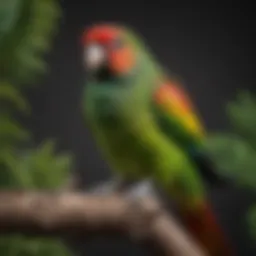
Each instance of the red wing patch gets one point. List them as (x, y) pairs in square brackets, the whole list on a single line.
[(173, 100), (172, 94)]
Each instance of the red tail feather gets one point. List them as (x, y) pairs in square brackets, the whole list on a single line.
[(203, 225)]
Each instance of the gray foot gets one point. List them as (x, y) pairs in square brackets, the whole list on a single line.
[(138, 190), (107, 187), (142, 189)]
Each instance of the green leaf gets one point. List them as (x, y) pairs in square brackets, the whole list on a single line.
[(242, 115), (234, 158), (9, 10), (32, 34), (235, 153), (11, 130), (27, 28), (41, 168), (11, 94)]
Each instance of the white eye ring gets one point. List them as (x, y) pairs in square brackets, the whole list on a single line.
[(94, 56)]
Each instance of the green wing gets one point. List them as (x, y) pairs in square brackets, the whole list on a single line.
[(176, 115)]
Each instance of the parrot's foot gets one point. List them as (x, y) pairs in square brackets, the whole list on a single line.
[(108, 187), (140, 197), (142, 190), (117, 185)]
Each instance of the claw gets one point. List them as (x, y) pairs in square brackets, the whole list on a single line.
[(108, 187), (142, 189)]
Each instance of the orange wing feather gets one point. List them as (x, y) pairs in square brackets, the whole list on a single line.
[(173, 99)]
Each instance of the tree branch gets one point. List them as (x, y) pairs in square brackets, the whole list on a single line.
[(43, 213)]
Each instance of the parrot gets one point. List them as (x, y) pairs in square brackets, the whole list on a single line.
[(145, 125)]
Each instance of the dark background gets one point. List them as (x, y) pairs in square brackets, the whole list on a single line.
[(211, 48)]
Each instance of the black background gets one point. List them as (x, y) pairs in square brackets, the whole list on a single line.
[(211, 48)]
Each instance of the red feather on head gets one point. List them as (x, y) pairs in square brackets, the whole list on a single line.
[(102, 34), (120, 60)]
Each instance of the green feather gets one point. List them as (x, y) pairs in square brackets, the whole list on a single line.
[(120, 116)]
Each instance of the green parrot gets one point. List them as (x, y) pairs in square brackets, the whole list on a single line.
[(146, 126)]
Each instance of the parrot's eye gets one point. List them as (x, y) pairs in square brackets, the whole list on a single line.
[(117, 43)]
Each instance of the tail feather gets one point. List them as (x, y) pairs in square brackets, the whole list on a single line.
[(203, 225)]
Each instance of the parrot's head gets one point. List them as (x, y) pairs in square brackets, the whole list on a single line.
[(110, 51)]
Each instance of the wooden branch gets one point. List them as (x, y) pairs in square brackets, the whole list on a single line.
[(35, 213)]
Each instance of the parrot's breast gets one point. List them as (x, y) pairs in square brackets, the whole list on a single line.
[(124, 126), (121, 137), (127, 135)]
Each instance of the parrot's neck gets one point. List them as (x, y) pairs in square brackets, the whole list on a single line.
[(114, 100), (104, 74)]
